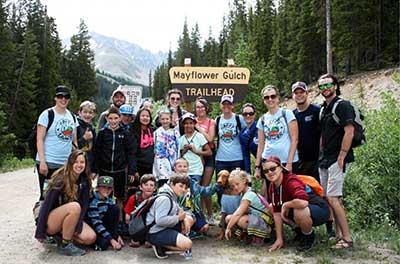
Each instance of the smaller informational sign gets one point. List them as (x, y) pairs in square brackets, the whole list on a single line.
[(133, 95)]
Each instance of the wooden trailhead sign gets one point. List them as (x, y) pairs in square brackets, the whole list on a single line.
[(210, 82)]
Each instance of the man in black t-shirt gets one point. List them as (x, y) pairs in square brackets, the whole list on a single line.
[(336, 152), (307, 116)]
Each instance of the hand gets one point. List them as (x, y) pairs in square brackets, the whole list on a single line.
[(88, 134), (94, 175), (340, 161), (289, 166), (43, 168), (257, 174), (121, 241), (277, 245), (115, 244), (131, 178), (228, 233), (181, 215)]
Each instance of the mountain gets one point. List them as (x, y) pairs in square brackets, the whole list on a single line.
[(122, 58)]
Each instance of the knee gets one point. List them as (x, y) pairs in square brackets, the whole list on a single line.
[(187, 244), (228, 218), (243, 221), (74, 208), (90, 237), (333, 201)]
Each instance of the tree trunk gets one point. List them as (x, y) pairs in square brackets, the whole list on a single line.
[(329, 66)]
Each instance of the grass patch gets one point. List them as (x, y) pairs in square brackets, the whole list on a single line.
[(12, 163)]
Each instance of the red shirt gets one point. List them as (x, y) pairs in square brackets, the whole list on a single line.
[(291, 188), (131, 204)]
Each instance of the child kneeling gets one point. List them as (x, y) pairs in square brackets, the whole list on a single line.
[(167, 220), (252, 216), (103, 215)]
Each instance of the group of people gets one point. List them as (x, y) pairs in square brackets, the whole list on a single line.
[(130, 157)]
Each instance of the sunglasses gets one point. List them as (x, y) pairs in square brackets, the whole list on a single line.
[(248, 114), (324, 86), (268, 97), (61, 96), (272, 169), (175, 98)]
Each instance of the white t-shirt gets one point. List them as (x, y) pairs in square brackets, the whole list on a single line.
[(276, 132), (195, 163)]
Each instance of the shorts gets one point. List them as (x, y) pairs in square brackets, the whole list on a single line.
[(197, 178), (119, 182), (332, 179), (229, 203), (209, 162), (200, 222), (319, 215), (166, 237), (257, 226)]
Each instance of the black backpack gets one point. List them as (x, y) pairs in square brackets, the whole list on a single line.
[(33, 136), (138, 228), (359, 128)]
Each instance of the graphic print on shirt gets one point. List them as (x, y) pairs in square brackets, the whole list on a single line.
[(274, 129), (64, 128), (229, 132)]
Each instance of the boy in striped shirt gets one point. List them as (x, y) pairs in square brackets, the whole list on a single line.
[(103, 215)]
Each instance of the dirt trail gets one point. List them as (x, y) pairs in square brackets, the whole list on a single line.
[(19, 190)]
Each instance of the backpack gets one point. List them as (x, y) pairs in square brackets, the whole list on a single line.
[(138, 228), (283, 115), (266, 214), (238, 126), (359, 128), (33, 136), (313, 184)]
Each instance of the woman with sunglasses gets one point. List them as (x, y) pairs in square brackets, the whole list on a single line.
[(56, 133), (293, 203), (248, 136), (277, 133), (174, 100)]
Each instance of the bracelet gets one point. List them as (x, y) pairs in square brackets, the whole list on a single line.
[(345, 151)]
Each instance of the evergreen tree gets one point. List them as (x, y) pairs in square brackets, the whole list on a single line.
[(210, 51), (195, 49), (183, 50), (80, 64)]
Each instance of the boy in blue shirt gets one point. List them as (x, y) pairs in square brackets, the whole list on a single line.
[(103, 215)]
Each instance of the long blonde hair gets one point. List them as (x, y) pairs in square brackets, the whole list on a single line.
[(238, 174), (66, 179)]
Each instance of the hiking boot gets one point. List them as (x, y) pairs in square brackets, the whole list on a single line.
[(71, 250), (160, 252), (307, 242)]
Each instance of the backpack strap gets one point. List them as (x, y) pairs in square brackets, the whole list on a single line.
[(284, 115), (217, 128), (50, 115), (334, 115), (238, 123), (169, 211)]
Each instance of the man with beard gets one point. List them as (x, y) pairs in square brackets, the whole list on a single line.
[(307, 116), (117, 98), (336, 152)]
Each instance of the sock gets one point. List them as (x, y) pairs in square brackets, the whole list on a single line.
[(65, 242), (329, 226)]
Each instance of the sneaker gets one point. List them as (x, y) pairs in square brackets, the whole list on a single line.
[(71, 250), (307, 242), (257, 241), (159, 252), (212, 221)]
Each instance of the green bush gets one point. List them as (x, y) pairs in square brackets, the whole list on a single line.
[(372, 195)]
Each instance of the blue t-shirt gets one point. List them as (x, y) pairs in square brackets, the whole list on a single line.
[(276, 132), (309, 133), (58, 139), (229, 148)]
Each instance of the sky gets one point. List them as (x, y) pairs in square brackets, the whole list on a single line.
[(155, 25)]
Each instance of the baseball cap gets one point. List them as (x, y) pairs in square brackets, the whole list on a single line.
[(118, 90), (227, 97), (188, 116), (301, 85), (105, 181), (62, 90), (126, 109)]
